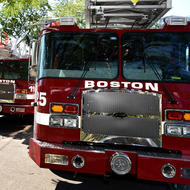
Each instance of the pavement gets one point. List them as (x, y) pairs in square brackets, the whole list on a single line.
[(19, 172)]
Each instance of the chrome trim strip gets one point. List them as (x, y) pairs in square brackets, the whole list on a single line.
[(123, 140)]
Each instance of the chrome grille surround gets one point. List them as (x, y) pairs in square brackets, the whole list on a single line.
[(126, 117)]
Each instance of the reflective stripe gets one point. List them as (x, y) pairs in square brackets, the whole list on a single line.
[(42, 118)]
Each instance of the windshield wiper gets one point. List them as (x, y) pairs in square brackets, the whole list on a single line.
[(77, 86), (168, 93), (154, 69)]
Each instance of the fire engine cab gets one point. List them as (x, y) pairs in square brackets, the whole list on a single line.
[(114, 100), (16, 87)]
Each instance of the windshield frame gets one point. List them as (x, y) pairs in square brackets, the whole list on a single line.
[(117, 60), (147, 32), (14, 61)]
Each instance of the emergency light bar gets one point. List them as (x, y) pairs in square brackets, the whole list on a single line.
[(67, 21), (62, 21), (176, 20)]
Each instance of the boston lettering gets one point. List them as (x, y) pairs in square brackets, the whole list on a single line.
[(117, 84)]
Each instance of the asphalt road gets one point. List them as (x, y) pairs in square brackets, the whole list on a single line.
[(19, 172)]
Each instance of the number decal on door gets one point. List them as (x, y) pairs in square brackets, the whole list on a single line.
[(42, 99)]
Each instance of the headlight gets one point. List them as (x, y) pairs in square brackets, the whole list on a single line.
[(21, 96), (186, 131), (60, 121), (56, 121), (174, 130), (68, 122), (178, 130)]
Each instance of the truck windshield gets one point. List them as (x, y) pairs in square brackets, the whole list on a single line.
[(14, 70), (167, 52), (68, 54)]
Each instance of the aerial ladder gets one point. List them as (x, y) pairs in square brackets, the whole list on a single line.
[(128, 14)]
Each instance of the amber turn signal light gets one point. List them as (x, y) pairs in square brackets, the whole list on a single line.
[(186, 116), (57, 108)]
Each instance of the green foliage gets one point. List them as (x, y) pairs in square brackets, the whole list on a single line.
[(73, 8), (19, 16), (157, 25), (11, 8)]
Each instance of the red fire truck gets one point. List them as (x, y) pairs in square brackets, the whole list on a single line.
[(114, 100), (16, 87)]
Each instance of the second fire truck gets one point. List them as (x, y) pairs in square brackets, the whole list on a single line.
[(16, 86)]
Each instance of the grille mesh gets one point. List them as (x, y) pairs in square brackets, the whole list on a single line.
[(6, 92), (121, 114)]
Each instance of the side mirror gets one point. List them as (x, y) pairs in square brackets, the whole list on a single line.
[(34, 53), (34, 59), (33, 71)]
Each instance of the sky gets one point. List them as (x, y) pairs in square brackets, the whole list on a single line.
[(179, 8)]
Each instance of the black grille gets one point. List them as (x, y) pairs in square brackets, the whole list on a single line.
[(6, 93)]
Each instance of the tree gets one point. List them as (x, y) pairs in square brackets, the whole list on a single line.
[(73, 8), (11, 8), (18, 17)]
